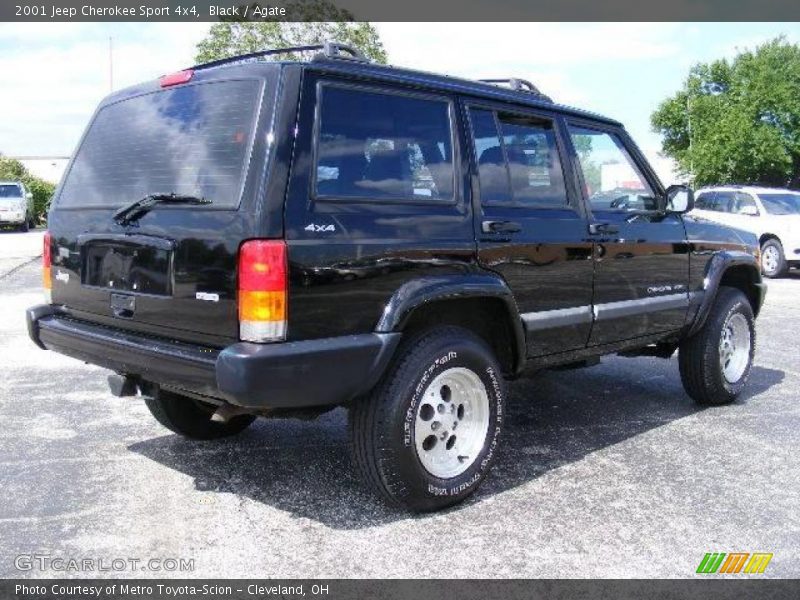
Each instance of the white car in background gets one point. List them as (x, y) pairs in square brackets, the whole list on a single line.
[(16, 205), (773, 214)]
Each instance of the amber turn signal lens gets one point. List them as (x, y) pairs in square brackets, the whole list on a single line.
[(262, 306)]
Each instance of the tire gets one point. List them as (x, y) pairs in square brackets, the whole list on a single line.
[(705, 378), (445, 375), (24, 227), (192, 418), (773, 261)]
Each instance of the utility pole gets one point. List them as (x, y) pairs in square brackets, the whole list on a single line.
[(689, 131), (110, 64)]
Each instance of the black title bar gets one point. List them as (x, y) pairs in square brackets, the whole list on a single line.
[(705, 588), (408, 10)]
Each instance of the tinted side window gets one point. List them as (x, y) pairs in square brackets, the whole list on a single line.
[(723, 202), (533, 163), (492, 170), (378, 145), (705, 201), (612, 180), (744, 203), (517, 163)]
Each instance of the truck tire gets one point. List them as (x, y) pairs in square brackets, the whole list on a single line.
[(715, 362), (192, 418), (427, 435), (773, 261), (24, 226)]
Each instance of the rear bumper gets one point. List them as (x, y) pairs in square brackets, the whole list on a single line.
[(285, 375)]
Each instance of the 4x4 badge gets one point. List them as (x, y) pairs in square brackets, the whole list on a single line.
[(314, 228)]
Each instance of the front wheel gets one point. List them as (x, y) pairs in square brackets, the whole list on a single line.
[(773, 261), (428, 434), (715, 362)]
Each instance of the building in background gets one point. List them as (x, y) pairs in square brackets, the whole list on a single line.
[(49, 168)]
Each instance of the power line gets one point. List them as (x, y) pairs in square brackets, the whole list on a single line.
[(36, 157)]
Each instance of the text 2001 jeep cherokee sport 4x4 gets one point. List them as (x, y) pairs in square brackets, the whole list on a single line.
[(252, 238)]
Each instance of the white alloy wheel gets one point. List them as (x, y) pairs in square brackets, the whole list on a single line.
[(770, 259), (734, 347), (452, 422)]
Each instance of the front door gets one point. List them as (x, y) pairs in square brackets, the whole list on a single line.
[(531, 226), (641, 259)]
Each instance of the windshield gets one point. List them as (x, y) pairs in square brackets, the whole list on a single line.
[(781, 204), (192, 140), (10, 190)]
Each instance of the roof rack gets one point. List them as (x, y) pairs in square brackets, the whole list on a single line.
[(519, 85), (329, 50)]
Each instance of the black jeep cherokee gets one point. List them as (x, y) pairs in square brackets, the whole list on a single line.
[(260, 238)]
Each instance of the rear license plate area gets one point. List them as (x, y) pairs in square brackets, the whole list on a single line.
[(123, 267)]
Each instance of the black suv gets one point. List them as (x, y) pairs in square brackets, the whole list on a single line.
[(262, 238)]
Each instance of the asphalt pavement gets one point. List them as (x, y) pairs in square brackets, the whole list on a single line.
[(610, 471)]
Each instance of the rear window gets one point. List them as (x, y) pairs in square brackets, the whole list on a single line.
[(11, 190), (191, 140)]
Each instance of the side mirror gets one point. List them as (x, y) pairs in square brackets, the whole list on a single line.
[(679, 199), (28, 195), (749, 210)]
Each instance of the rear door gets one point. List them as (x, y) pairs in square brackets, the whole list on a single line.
[(531, 228), (641, 258), (173, 271)]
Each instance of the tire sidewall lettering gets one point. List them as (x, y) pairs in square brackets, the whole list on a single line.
[(461, 484)]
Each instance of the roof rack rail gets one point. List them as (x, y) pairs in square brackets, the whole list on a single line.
[(519, 85), (330, 50)]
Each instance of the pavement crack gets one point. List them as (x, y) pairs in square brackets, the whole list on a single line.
[(10, 272)]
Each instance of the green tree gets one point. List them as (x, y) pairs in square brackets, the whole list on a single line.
[(11, 169), (737, 121), (312, 22)]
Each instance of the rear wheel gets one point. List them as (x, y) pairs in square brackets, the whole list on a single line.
[(773, 261), (428, 434), (192, 418), (715, 363)]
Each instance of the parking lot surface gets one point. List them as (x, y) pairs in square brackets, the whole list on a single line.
[(610, 471)]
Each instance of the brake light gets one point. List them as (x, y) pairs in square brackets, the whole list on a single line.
[(47, 263), (176, 78), (262, 291)]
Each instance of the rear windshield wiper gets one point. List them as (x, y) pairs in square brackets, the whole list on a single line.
[(135, 210)]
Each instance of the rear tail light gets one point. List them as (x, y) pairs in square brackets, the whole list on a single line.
[(47, 263), (263, 291)]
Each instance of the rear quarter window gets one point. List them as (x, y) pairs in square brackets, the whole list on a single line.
[(378, 145), (191, 140)]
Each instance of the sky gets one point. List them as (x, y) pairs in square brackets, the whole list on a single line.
[(56, 73)]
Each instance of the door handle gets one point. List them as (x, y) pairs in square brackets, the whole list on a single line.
[(598, 228), (500, 227)]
